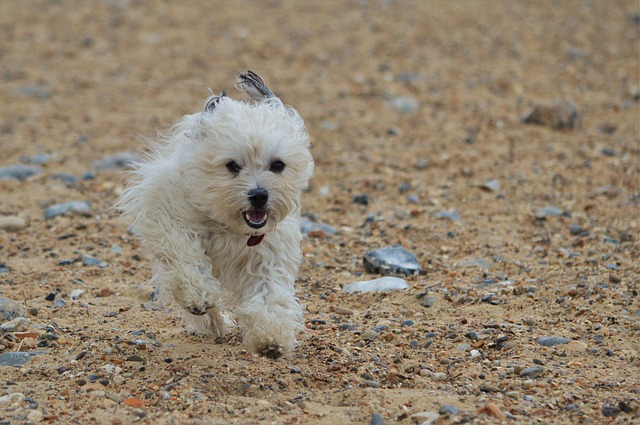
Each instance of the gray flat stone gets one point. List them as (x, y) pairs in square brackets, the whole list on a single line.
[(18, 172), (115, 161), (376, 285), (551, 341), (18, 358), (73, 207)]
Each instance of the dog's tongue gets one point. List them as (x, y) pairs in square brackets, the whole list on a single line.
[(255, 240)]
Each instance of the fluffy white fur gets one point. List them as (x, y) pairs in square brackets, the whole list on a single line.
[(188, 200)]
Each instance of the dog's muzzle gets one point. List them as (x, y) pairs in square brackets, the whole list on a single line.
[(257, 216)]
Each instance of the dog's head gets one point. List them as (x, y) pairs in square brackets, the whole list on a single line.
[(248, 161)]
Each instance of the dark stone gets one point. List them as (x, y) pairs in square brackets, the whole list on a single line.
[(391, 260), (361, 199), (610, 411), (376, 419)]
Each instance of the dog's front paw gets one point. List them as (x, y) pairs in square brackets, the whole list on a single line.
[(271, 351), (199, 310)]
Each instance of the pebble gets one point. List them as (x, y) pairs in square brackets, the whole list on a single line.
[(548, 211), (428, 301), (376, 419), (576, 347), (376, 285), (448, 215), (76, 293), (610, 411), (490, 185), (74, 207), (404, 104), (342, 311), (19, 324), (575, 229), (12, 398), (308, 227), (392, 259), (475, 353), (426, 418), (532, 372), (552, 341), (614, 278), (18, 172), (117, 160), (369, 335), (372, 384), (413, 199), (10, 309), (556, 115), (64, 178), (35, 415), (18, 358), (88, 260), (361, 199), (12, 223), (447, 409)]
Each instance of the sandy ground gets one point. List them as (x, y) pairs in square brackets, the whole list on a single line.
[(416, 104)]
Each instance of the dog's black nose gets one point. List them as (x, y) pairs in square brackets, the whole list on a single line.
[(258, 197)]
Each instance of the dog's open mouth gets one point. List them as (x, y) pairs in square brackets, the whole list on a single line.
[(256, 219)]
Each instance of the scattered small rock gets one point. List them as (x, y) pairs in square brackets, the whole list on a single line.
[(313, 228), (18, 358), (492, 410), (361, 199), (10, 309), (19, 324), (376, 285), (610, 411), (115, 161), (448, 215), (391, 260), (18, 172), (404, 104), (490, 185), (426, 418), (428, 301), (532, 372), (88, 260), (576, 347), (548, 211), (369, 335), (75, 207), (552, 341), (376, 419), (12, 223), (447, 409), (556, 115)]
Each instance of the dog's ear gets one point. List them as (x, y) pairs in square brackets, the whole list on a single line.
[(254, 86), (213, 101)]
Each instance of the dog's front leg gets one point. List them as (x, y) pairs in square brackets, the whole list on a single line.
[(270, 318)]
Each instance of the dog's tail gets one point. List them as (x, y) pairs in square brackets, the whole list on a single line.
[(254, 86)]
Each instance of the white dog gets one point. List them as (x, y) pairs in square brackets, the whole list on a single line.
[(217, 204)]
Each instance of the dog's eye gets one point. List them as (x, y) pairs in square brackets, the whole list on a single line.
[(276, 166), (233, 167)]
